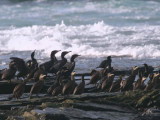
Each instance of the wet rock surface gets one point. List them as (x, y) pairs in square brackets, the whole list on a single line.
[(88, 106), (73, 113)]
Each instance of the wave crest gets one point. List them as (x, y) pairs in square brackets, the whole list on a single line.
[(97, 39)]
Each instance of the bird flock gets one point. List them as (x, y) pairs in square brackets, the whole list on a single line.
[(64, 82)]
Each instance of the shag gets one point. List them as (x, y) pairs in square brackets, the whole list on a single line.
[(1, 73), (106, 63), (70, 85), (9, 73), (56, 67), (149, 85), (37, 74), (53, 60), (95, 77), (139, 84), (56, 83), (146, 70), (71, 65), (58, 87), (21, 67), (115, 87), (80, 88), (32, 64), (128, 83), (156, 81), (36, 88), (31, 74), (19, 90), (108, 82)]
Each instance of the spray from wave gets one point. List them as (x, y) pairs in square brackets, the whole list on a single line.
[(97, 39)]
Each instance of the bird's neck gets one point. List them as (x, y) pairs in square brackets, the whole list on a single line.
[(73, 77), (72, 59), (52, 57), (59, 80), (63, 58), (32, 57)]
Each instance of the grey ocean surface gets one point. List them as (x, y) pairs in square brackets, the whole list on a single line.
[(129, 30)]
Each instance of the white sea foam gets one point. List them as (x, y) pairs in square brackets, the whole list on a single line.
[(97, 39)]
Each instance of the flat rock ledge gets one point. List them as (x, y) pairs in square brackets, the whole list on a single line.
[(133, 105)]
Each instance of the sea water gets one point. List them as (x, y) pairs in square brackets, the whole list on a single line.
[(128, 30)]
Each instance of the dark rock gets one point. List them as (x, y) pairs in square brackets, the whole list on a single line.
[(8, 87), (2, 115), (77, 114), (147, 100), (88, 106), (152, 112), (15, 118), (7, 105)]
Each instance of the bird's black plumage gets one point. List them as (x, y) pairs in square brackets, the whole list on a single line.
[(47, 65), (106, 63), (71, 65), (21, 66), (56, 67)]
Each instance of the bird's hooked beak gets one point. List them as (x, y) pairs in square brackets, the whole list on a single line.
[(76, 56), (68, 52)]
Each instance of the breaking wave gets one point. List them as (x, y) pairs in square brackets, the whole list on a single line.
[(98, 39)]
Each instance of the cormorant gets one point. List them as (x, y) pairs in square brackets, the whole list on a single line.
[(32, 73), (146, 71), (106, 63), (128, 83), (71, 65), (56, 83), (80, 88), (1, 73), (56, 67), (69, 87), (156, 81), (36, 88), (18, 90), (108, 82), (61, 80), (139, 84), (58, 88), (37, 74), (21, 67), (150, 84), (53, 60), (115, 87), (32, 64), (9, 73), (95, 76)]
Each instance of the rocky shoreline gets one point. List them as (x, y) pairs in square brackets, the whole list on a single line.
[(130, 105), (133, 102)]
